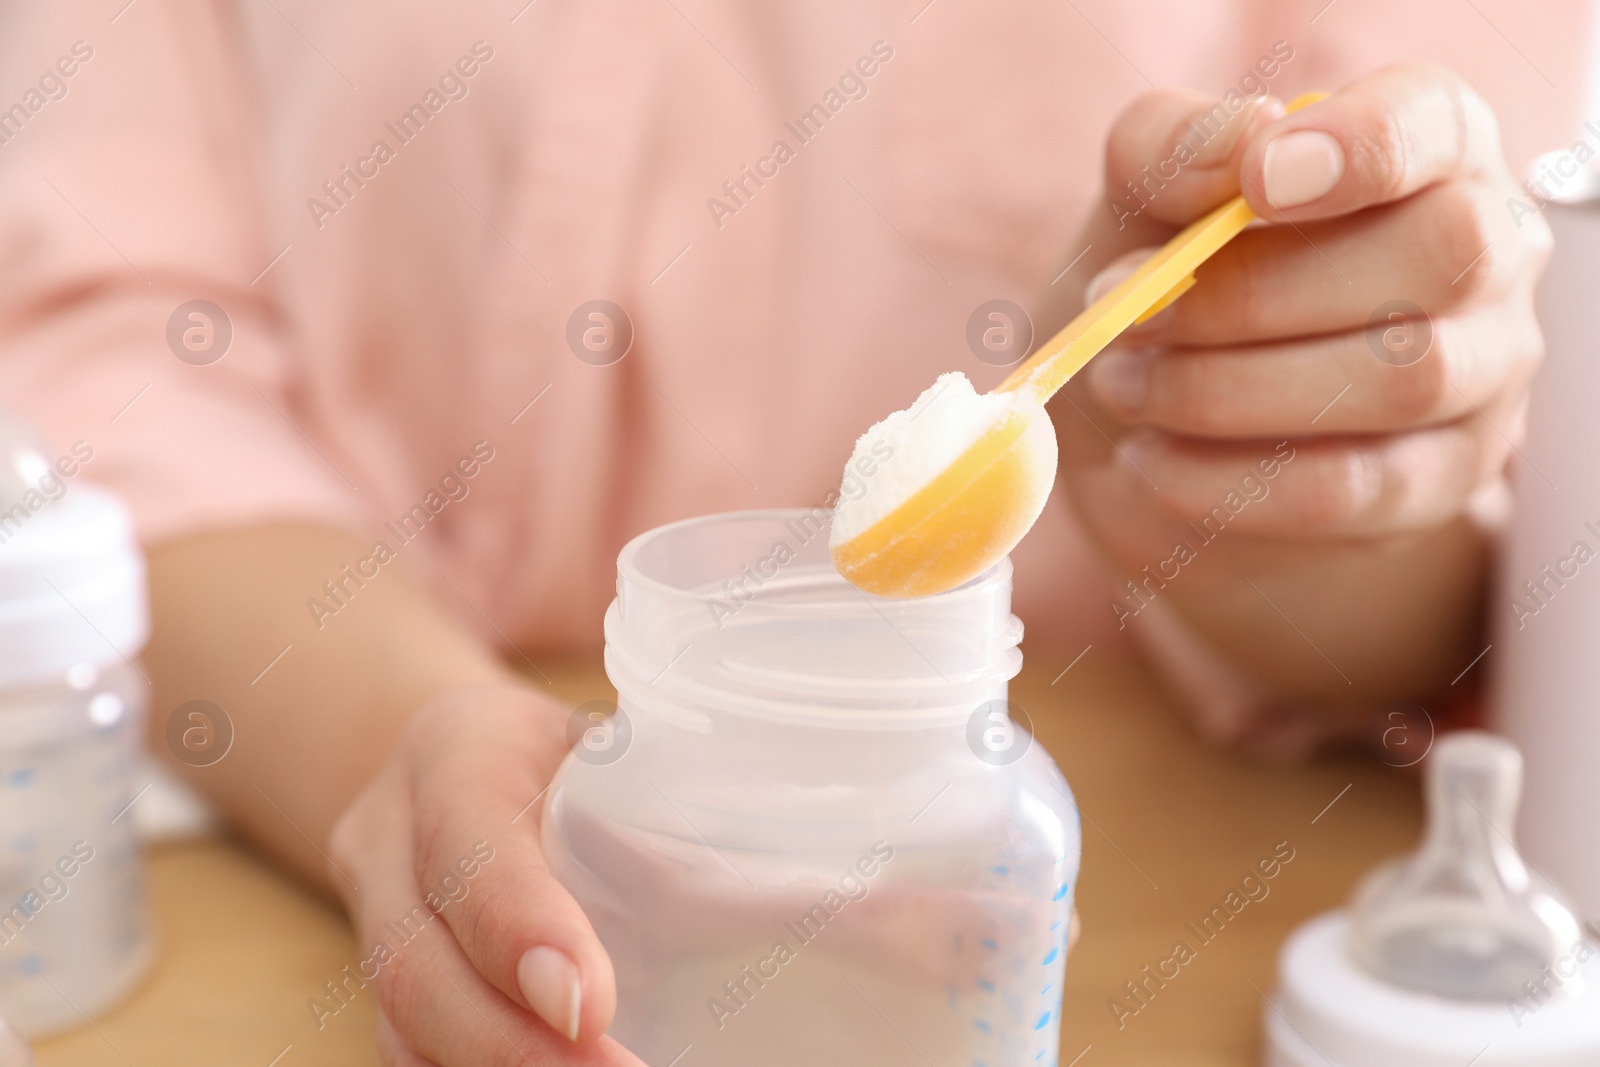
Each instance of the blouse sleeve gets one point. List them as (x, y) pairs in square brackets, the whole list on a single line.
[(137, 325)]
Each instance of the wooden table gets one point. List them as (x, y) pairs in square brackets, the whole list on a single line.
[(1170, 827)]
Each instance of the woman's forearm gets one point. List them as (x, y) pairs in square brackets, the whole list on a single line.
[(316, 699)]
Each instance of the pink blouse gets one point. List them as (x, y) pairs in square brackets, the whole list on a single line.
[(499, 284)]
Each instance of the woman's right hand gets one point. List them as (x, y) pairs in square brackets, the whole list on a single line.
[(503, 967)]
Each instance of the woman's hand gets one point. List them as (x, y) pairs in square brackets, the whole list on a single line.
[(484, 957), (1295, 456), (473, 952)]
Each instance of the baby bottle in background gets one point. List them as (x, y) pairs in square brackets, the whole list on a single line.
[(1459, 953), (73, 931), (810, 831), (1546, 609)]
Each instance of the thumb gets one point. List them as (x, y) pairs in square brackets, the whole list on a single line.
[(1174, 154), (1171, 156)]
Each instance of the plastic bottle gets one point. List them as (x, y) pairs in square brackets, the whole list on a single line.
[(1546, 607), (73, 930), (1459, 953), (810, 832)]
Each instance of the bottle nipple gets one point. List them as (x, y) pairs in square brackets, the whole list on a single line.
[(1464, 917)]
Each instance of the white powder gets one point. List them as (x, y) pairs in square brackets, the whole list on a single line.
[(907, 450)]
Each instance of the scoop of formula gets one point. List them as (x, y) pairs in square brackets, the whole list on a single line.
[(957, 479)]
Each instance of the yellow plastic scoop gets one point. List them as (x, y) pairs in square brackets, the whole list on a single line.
[(977, 508)]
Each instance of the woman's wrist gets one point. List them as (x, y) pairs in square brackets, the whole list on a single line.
[(1239, 713)]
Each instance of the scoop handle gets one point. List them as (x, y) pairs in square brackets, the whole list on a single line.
[(1156, 283)]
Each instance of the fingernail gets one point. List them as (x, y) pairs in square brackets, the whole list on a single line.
[(1122, 377), (549, 982), (1139, 451), (1289, 738), (1108, 279), (1301, 167), (1214, 138)]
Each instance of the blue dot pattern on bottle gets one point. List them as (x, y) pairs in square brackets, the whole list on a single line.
[(1061, 898), (999, 1014)]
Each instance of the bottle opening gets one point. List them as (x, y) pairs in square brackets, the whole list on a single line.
[(745, 613)]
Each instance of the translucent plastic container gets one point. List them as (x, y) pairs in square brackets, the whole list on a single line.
[(1457, 954), (810, 834), (74, 935)]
